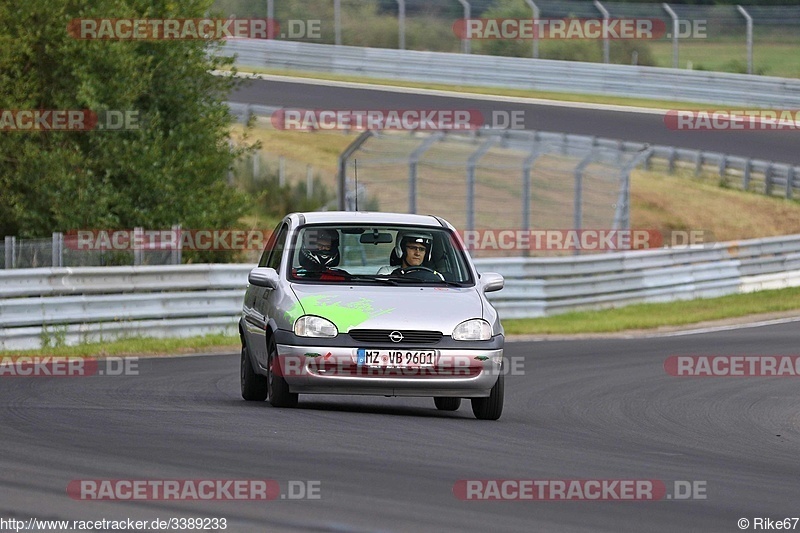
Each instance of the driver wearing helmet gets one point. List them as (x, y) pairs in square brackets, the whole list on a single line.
[(320, 250), (413, 249)]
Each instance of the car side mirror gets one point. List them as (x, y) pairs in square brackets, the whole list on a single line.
[(263, 277), (492, 281)]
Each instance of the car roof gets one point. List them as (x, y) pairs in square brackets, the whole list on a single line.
[(368, 217)]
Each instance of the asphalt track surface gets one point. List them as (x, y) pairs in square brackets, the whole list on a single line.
[(581, 409), (778, 146)]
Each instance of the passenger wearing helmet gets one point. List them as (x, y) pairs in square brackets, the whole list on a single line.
[(319, 250)]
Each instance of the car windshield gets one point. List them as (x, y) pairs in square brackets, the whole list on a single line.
[(378, 255)]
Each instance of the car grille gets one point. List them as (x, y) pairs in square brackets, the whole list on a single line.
[(409, 336)]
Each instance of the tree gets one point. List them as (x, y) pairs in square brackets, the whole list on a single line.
[(169, 171)]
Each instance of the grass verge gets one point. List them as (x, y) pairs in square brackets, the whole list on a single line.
[(632, 317), (650, 316), (492, 91)]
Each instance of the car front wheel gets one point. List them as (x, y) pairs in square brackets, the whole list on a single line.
[(277, 389), (490, 408), (254, 386)]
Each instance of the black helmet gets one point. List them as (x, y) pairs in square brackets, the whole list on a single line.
[(406, 237), (320, 249)]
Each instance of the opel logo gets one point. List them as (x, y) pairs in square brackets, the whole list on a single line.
[(396, 336)]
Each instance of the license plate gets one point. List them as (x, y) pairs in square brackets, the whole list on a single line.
[(396, 358)]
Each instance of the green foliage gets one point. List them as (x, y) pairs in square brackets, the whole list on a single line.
[(272, 201), (55, 337), (170, 171), (620, 51)]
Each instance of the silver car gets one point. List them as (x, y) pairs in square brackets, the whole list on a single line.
[(374, 304)]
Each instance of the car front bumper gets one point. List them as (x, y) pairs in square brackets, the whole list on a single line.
[(462, 373)]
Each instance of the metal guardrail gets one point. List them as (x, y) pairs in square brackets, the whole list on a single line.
[(74, 305), (756, 175), (521, 73), (545, 286), (63, 305)]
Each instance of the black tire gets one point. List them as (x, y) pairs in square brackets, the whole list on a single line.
[(278, 393), (445, 403), (254, 386), (492, 407)]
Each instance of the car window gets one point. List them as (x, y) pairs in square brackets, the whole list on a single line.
[(277, 250), (376, 254), (264, 260)]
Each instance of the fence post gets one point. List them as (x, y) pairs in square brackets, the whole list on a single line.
[(535, 10), (10, 243), (675, 29), (413, 161), (466, 44), (768, 180), (57, 243), (309, 182), (746, 174), (472, 162), (789, 180), (270, 19), (749, 20), (343, 157), (176, 255), (401, 23), (337, 22), (281, 171), (606, 16), (671, 161), (622, 213), (527, 165), (138, 252), (578, 196), (698, 163)]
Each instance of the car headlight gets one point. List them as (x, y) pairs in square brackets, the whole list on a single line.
[(314, 326), (473, 330)]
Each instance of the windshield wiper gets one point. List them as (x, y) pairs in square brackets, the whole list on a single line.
[(387, 280)]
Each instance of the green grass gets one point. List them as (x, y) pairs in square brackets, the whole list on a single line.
[(649, 316), (138, 346), (770, 59)]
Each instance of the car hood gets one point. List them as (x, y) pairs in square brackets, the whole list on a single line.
[(360, 307)]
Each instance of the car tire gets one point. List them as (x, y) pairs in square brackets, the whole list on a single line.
[(278, 393), (490, 408), (445, 403), (254, 386)]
